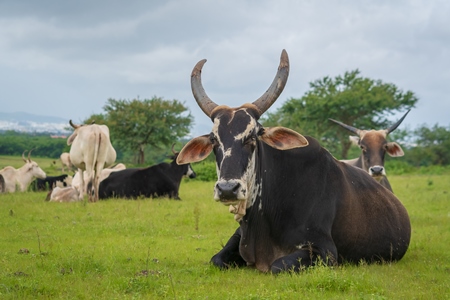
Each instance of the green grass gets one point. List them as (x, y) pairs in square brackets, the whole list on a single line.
[(160, 249)]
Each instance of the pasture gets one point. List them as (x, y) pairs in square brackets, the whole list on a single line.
[(160, 249)]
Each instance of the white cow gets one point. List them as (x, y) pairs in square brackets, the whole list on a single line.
[(2, 184), (65, 161), (76, 180), (65, 194), (91, 151), (107, 171), (72, 193), (21, 178)]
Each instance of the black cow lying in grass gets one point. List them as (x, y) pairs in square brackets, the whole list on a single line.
[(50, 182), (155, 181)]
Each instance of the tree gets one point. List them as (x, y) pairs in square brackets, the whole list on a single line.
[(136, 124), (354, 100), (432, 146)]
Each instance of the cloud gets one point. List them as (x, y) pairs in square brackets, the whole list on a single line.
[(67, 58)]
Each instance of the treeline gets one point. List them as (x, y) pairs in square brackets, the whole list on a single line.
[(15, 143), (428, 146), (424, 146), (43, 145)]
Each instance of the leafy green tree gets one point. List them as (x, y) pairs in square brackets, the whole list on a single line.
[(352, 99), (431, 147), (136, 124)]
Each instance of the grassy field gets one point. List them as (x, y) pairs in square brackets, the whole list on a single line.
[(160, 249)]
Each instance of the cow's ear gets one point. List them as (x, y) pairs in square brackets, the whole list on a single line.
[(71, 138), (394, 149), (282, 138), (354, 140), (196, 150)]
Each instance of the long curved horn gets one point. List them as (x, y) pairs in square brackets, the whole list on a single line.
[(29, 153), (205, 103), (23, 156), (393, 127), (348, 127), (173, 151), (74, 126), (277, 86)]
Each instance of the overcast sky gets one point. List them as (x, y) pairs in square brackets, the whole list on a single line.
[(66, 58)]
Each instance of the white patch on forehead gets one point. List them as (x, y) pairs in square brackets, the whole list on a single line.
[(215, 131), (226, 153), (250, 126), (215, 128)]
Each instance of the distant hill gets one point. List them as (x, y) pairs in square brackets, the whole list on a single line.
[(26, 122)]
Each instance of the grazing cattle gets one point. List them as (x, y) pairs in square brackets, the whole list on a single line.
[(91, 151), (374, 147), (295, 203), (65, 161), (50, 182), (155, 181), (66, 194), (22, 177)]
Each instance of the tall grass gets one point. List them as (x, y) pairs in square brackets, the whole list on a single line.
[(160, 249)]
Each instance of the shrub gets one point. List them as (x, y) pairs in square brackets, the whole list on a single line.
[(205, 170)]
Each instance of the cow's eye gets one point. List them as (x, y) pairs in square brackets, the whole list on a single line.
[(250, 140), (260, 131), (213, 139)]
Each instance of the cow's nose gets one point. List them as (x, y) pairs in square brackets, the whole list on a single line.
[(228, 190), (376, 170)]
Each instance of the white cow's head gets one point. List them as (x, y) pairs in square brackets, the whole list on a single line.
[(31, 167)]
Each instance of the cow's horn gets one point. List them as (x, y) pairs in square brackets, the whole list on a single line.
[(73, 125), (29, 154), (348, 127), (205, 103), (23, 156), (173, 151), (277, 86), (393, 127)]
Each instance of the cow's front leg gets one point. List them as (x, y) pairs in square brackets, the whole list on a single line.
[(304, 257), (229, 255)]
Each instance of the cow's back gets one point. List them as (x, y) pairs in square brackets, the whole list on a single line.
[(326, 199), (136, 182), (370, 222), (92, 145), (9, 177)]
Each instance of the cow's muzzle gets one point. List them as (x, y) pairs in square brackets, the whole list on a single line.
[(377, 171), (229, 191)]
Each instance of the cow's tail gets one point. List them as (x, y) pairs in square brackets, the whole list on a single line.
[(91, 184)]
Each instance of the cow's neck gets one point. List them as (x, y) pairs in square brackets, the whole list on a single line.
[(23, 177), (357, 162), (285, 180), (176, 170)]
